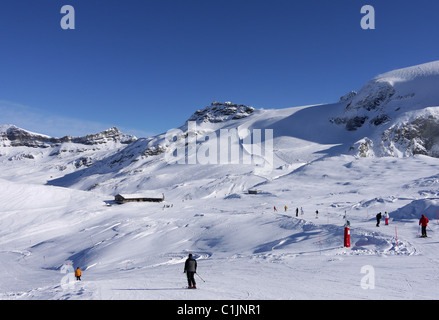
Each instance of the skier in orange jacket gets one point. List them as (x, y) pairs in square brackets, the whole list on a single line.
[(78, 274)]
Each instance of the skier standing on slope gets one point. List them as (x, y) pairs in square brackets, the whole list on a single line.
[(386, 218), (190, 268), (424, 222), (378, 219), (78, 274)]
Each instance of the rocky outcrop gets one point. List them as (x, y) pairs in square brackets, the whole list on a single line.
[(396, 111), (418, 136), (373, 96), (363, 148), (368, 104), (15, 137), (220, 112)]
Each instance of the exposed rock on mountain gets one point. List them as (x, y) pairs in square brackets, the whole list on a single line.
[(395, 114), (419, 136), (14, 136), (220, 112), (56, 156)]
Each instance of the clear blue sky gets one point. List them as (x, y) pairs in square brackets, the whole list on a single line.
[(147, 65)]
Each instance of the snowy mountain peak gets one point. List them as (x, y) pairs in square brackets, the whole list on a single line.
[(112, 134), (399, 109), (13, 136), (426, 70), (220, 112), (415, 85)]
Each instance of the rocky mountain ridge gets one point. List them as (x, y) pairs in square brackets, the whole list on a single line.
[(221, 112), (11, 135), (398, 112), (395, 114)]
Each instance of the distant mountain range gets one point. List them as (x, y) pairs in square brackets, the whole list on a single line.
[(395, 114)]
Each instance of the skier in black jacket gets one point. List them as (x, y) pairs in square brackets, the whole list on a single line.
[(190, 268), (378, 219)]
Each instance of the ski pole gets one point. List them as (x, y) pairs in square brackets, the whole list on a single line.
[(200, 277)]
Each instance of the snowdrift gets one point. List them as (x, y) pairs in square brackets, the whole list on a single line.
[(416, 208)]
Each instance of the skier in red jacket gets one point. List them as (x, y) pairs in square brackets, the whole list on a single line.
[(424, 222)]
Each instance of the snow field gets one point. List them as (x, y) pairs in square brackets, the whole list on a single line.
[(245, 250), (57, 213)]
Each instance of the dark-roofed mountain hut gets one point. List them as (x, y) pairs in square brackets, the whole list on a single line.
[(123, 198)]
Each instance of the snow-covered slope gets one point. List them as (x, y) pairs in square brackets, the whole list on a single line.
[(244, 249), (398, 111), (30, 156), (57, 210)]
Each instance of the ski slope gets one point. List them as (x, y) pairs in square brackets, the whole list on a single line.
[(244, 249), (57, 210)]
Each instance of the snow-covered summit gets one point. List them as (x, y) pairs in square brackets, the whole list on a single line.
[(52, 157), (404, 89), (394, 114), (11, 135), (397, 112), (112, 134), (221, 112), (427, 70)]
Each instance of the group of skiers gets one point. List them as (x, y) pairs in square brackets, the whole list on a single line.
[(386, 217), (297, 211), (190, 266), (423, 222)]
